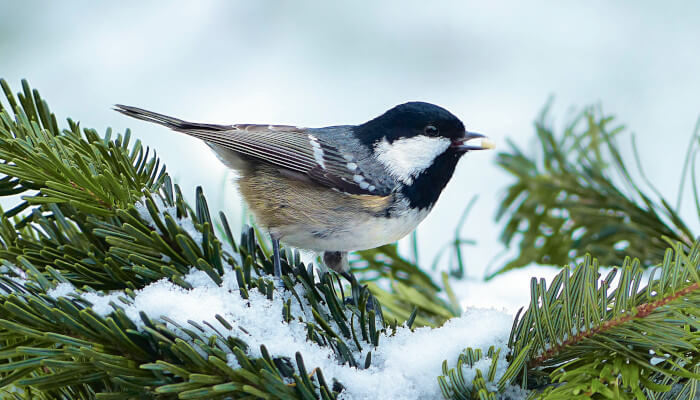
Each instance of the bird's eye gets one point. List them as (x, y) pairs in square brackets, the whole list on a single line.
[(431, 130)]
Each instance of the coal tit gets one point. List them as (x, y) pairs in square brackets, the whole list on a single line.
[(338, 188)]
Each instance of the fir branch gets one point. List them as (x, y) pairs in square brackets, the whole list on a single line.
[(70, 166), (575, 325), (641, 311), (565, 201), (411, 289)]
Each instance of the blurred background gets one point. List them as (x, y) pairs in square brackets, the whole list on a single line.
[(493, 64)]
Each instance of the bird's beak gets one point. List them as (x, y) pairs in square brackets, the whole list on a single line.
[(461, 144)]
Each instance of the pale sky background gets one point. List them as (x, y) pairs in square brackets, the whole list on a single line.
[(493, 64)]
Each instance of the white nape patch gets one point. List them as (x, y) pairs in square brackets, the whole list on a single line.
[(318, 152), (406, 158)]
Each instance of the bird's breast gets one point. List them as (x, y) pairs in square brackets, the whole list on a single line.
[(310, 216), (361, 233)]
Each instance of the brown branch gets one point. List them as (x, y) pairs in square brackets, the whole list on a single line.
[(94, 196), (640, 312)]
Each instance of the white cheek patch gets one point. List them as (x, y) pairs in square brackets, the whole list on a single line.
[(407, 158)]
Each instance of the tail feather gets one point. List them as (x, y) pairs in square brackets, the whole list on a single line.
[(170, 122)]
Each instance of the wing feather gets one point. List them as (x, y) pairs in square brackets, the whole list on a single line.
[(289, 147)]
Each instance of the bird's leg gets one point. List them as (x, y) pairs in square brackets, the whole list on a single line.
[(276, 257), (338, 262)]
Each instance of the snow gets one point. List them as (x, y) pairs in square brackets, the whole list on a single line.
[(514, 392), (61, 290), (404, 366), (412, 361), (508, 291)]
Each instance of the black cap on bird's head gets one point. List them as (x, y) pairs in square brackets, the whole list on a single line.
[(417, 118), (412, 119)]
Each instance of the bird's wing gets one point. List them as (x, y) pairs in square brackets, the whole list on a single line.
[(288, 147)]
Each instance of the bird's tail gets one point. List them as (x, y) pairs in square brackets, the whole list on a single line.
[(170, 122)]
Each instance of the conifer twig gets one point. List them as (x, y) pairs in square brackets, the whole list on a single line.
[(641, 311)]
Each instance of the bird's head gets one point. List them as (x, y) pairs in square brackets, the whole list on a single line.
[(419, 144)]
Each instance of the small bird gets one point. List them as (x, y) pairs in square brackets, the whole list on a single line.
[(338, 188)]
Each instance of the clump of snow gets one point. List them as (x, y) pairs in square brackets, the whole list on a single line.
[(198, 278), (514, 392), (404, 366), (61, 290)]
